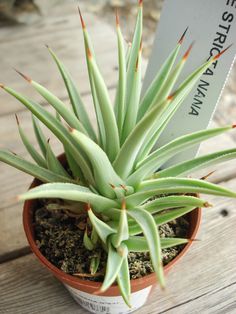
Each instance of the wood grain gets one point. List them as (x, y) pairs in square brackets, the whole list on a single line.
[(198, 284)]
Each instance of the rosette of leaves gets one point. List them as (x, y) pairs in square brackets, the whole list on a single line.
[(115, 171)]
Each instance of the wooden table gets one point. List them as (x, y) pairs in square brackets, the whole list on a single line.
[(203, 282)]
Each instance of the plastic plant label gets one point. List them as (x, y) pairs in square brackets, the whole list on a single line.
[(212, 25), (109, 305)]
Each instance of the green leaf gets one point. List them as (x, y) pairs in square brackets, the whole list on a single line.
[(57, 128), (99, 162), (134, 52), (160, 156), (198, 163), (41, 139), (161, 78), (75, 97), (94, 264), (36, 171), (60, 107), (165, 217), (31, 150), (121, 88), (102, 229), (53, 163), (132, 107), (149, 229), (114, 263), (89, 47), (73, 165), (122, 231), (173, 201), (72, 192), (87, 241), (123, 280), (109, 120), (139, 244)]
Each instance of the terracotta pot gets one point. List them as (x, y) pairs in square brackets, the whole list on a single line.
[(83, 290)]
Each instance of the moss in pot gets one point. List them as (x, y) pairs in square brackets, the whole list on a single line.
[(111, 176)]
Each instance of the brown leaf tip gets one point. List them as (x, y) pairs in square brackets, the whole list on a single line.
[(17, 120), (87, 207), (233, 126), (187, 53), (183, 36), (28, 79), (112, 186), (117, 18), (123, 187), (170, 97), (207, 205), (123, 204), (81, 19), (1, 85), (140, 3), (221, 53)]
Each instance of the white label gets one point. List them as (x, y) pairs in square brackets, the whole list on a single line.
[(109, 305), (212, 24)]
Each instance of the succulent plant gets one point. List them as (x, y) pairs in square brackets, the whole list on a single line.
[(116, 172)]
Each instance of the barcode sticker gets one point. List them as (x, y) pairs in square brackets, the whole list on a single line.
[(109, 305)]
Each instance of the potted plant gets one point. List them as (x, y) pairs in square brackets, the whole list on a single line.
[(95, 215)]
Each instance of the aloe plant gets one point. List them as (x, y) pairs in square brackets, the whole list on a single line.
[(115, 171)]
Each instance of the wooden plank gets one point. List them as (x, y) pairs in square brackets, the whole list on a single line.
[(29, 55), (202, 282)]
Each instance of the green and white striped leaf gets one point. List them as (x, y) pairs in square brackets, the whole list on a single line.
[(160, 156), (133, 105), (119, 107), (57, 128), (72, 192), (75, 97), (104, 173), (53, 163), (31, 150), (133, 56), (114, 262), (139, 244), (60, 107), (174, 201), (162, 77), (149, 229), (187, 167), (109, 120), (36, 171), (103, 230), (123, 280)]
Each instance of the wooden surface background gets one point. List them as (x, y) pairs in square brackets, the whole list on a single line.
[(205, 279)]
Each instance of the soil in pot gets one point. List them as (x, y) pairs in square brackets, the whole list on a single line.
[(59, 237)]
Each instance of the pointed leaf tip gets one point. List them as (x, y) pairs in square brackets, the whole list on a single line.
[(1, 85), (140, 3), (233, 126), (187, 53), (207, 175), (207, 205), (123, 204), (17, 120), (123, 187), (222, 52), (117, 18), (28, 79), (81, 18), (183, 36)]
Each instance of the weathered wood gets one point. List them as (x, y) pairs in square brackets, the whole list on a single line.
[(202, 282), (24, 49)]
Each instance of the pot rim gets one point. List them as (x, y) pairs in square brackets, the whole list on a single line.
[(91, 286)]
